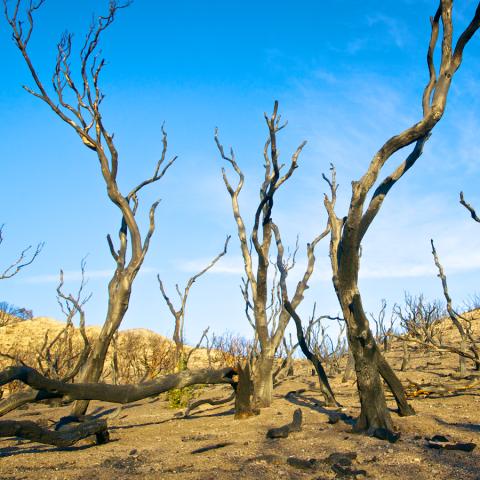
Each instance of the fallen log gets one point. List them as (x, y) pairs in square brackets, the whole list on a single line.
[(442, 442), (414, 389), (64, 437), (113, 393)]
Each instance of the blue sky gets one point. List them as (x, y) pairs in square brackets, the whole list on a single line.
[(347, 75)]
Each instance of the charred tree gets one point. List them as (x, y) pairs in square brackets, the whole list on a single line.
[(269, 334), (348, 232), (83, 114)]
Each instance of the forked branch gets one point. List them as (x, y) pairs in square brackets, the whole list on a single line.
[(26, 257)]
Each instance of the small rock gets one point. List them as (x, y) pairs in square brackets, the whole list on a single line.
[(439, 438), (310, 464), (342, 458), (464, 447), (345, 472)]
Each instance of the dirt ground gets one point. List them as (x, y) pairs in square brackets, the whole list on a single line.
[(149, 442)]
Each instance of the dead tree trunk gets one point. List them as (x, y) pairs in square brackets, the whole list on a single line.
[(373, 413), (118, 301), (244, 392), (348, 232)]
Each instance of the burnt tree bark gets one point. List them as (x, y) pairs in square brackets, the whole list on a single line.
[(244, 392), (348, 232)]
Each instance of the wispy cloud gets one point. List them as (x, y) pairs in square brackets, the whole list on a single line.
[(355, 45), (395, 29), (325, 75)]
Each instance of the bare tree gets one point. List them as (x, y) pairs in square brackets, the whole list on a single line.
[(420, 321), (77, 102), (269, 336), (228, 349), (419, 318), (26, 257), (322, 344), (348, 232), (462, 324), (383, 332), (60, 357), (179, 314), (11, 314), (285, 367)]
